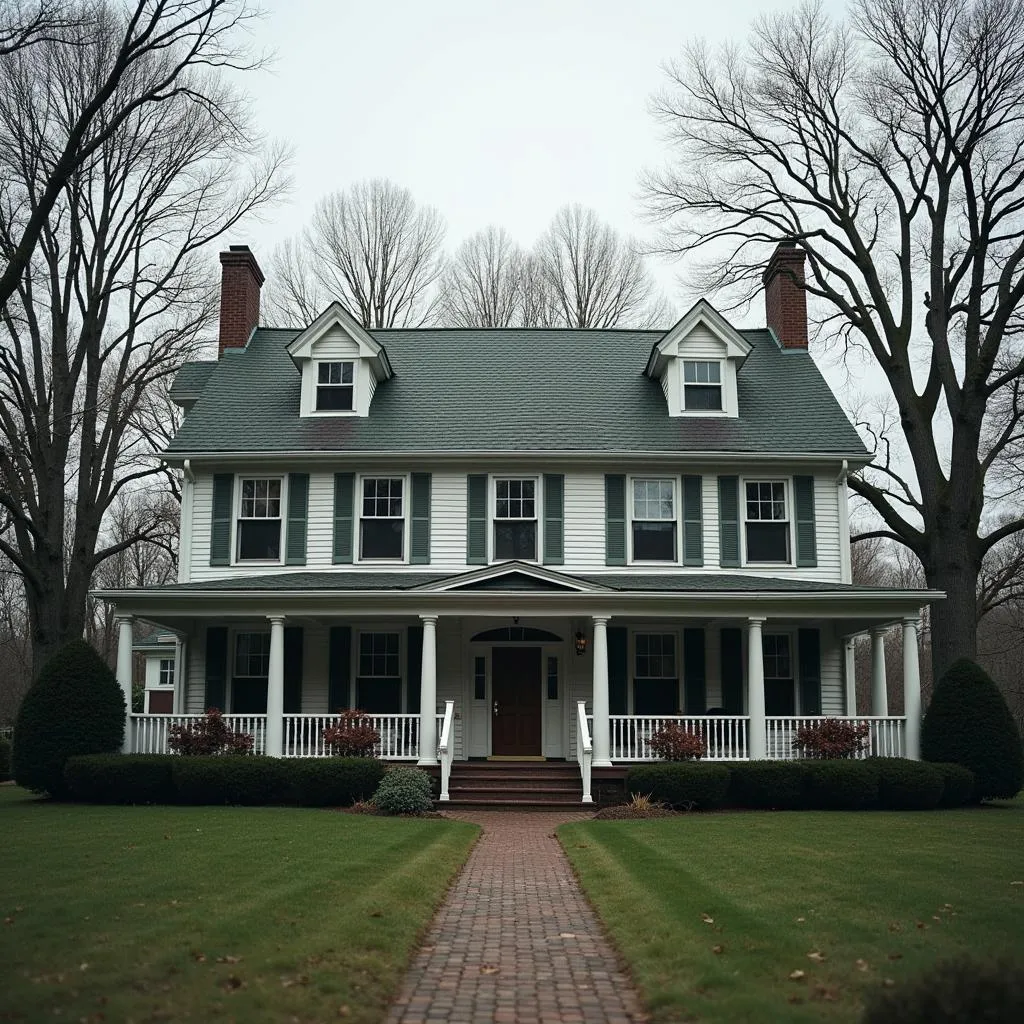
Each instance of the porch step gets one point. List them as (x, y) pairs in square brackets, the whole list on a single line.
[(515, 784)]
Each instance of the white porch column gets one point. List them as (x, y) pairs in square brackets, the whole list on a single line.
[(911, 688), (850, 675), (178, 704), (428, 692), (124, 674), (275, 688), (879, 691), (757, 742), (602, 738)]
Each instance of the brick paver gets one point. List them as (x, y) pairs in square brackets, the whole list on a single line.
[(515, 941)]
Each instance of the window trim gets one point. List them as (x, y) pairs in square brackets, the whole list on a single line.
[(160, 673), (237, 516), (315, 384), (357, 517), (677, 495), (492, 517), (683, 359), (787, 485)]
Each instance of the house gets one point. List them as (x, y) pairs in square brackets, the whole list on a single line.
[(519, 543)]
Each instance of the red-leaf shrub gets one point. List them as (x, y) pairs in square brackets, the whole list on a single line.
[(831, 738), (353, 735), (677, 743), (207, 736)]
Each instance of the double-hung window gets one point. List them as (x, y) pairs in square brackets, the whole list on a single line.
[(767, 521), (702, 385), (166, 676), (654, 521), (252, 668), (379, 673), (655, 679), (382, 522), (259, 520), (515, 519), (779, 684), (335, 386)]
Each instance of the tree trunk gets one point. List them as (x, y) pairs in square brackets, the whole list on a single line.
[(57, 617), (953, 620)]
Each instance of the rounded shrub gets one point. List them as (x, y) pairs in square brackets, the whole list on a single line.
[(121, 778), (953, 992), (335, 781), (768, 785), (74, 707), (841, 785), (908, 785), (686, 785), (5, 759), (959, 784), (403, 791), (969, 724), (252, 781)]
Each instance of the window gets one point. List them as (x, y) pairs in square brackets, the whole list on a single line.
[(552, 678), (515, 519), (259, 521), (335, 387), (252, 655), (654, 521), (655, 684), (382, 524), (479, 678), (702, 385), (379, 683), (779, 687), (767, 521), (166, 676)]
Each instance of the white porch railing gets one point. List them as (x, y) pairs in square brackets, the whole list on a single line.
[(446, 746), (149, 733), (886, 736), (584, 748), (725, 735)]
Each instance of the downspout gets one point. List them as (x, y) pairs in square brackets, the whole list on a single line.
[(185, 527), (843, 496)]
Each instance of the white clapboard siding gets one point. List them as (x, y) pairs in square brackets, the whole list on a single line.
[(584, 521), (448, 521), (833, 692), (335, 344), (700, 343)]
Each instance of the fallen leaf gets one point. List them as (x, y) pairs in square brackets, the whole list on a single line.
[(795, 999), (921, 925), (894, 926), (895, 956), (707, 918), (343, 1011), (376, 913), (862, 965), (826, 993), (83, 967), (888, 982), (816, 956), (299, 979), (229, 959), (231, 983), (718, 949), (567, 935), (797, 975), (8, 920), (488, 969), (1017, 883), (800, 920), (200, 958), (935, 917)]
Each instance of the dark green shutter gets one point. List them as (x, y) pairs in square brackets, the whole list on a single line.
[(344, 485), (693, 521), (216, 668), (694, 677), (732, 671), (618, 669), (293, 670), (476, 519), (554, 518), (339, 666), (729, 521), (809, 646), (298, 513), (803, 499), (614, 519), (414, 666), (419, 542), (220, 528)]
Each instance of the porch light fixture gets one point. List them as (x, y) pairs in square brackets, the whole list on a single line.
[(581, 643)]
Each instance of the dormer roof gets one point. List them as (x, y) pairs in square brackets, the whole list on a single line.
[(337, 316), (701, 313)]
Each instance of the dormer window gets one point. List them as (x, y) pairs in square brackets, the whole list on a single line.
[(335, 387), (702, 385)]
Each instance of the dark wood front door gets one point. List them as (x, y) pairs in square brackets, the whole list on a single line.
[(515, 701)]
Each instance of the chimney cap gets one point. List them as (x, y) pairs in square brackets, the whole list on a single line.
[(239, 248), (242, 256), (787, 251)]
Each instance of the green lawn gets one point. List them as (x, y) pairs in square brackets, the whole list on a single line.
[(713, 912), (166, 913)]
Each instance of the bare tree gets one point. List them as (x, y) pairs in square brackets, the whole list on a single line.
[(483, 283), (116, 297), (889, 148), (596, 277), (52, 132), (539, 305), (372, 248)]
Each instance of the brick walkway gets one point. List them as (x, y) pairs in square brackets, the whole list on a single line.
[(516, 941)]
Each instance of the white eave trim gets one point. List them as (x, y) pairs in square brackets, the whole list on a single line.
[(336, 315), (512, 568), (701, 312)]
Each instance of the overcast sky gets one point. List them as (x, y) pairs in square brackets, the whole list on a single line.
[(492, 112)]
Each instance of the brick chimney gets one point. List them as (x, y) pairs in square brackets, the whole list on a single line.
[(785, 301), (240, 283)]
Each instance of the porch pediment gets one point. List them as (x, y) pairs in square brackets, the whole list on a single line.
[(514, 576)]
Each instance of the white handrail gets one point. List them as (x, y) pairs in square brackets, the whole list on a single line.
[(446, 747), (584, 749)]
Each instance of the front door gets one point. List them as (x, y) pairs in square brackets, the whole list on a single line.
[(515, 701)]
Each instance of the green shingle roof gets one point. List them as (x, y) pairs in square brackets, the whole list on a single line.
[(512, 390), (192, 378)]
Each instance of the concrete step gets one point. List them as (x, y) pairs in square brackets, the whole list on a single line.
[(484, 804), (518, 792)]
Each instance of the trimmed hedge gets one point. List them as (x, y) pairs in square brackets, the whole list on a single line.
[(403, 790), (121, 778), (252, 781), (908, 785), (968, 723), (5, 760), (841, 785), (768, 785), (959, 784), (681, 783)]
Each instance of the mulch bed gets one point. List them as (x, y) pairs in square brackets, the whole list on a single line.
[(623, 812)]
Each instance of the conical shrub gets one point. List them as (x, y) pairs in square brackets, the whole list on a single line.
[(968, 723), (74, 707)]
